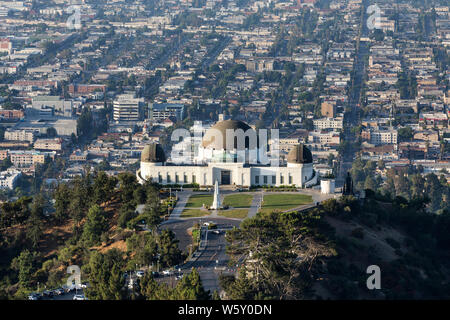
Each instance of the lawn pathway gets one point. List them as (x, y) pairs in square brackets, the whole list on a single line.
[(257, 197), (183, 198)]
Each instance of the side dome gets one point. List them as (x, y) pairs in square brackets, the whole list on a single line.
[(211, 139), (300, 154), (153, 152)]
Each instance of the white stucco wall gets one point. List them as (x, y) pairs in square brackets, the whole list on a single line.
[(293, 174)]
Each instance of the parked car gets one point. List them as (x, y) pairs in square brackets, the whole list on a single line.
[(79, 297), (69, 288), (167, 272), (155, 274), (60, 291), (48, 293), (34, 296), (140, 273), (84, 285)]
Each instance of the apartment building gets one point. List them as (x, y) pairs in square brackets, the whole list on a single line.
[(8, 178), (11, 114), (328, 123), (20, 135), (381, 136), (26, 158), (327, 138), (49, 144)]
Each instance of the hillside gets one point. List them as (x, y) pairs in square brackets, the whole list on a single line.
[(326, 251)]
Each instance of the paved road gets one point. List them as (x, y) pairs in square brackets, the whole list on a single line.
[(352, 117), (212, 260), (66, 296), (212, 255), (180, 226)]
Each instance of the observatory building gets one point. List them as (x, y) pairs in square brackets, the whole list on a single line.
[(228, 162)]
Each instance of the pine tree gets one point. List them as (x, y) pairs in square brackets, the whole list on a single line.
[(95, 225), (190, 288), (24, 264), (62, 197), (105, 276)]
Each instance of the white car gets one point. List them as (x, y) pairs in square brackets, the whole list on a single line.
[(167, 272), (79, 297), (140, 273)]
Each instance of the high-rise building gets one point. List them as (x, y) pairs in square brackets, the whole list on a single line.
[(128, 108)]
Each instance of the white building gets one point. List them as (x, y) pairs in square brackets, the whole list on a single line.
[(20, 135), (327, 186), (237, 165), (128, 108), (8, 178), (381, 136), (328, 123), (325, 138)]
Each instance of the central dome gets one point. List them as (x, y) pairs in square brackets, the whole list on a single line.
[(212, 137)]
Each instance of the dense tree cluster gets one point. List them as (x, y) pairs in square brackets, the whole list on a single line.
[(278, 252), (89, 207), (189, 288)]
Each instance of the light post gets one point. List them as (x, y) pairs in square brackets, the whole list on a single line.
[(157, 265)]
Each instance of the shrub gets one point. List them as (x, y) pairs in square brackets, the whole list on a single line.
[(393, 243), (358, 233)]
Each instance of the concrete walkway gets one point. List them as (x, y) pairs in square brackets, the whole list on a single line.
[(183, 198), (253, 210)]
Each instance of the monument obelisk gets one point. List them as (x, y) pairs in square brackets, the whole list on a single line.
[(216, 203)]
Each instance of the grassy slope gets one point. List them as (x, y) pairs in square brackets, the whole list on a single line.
[(197, 200), (238, 200), (283, 202)]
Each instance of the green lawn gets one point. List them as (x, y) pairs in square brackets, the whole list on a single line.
[(234, 213), (191, 213), (197, 200), (238, 200), (283, 202)]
